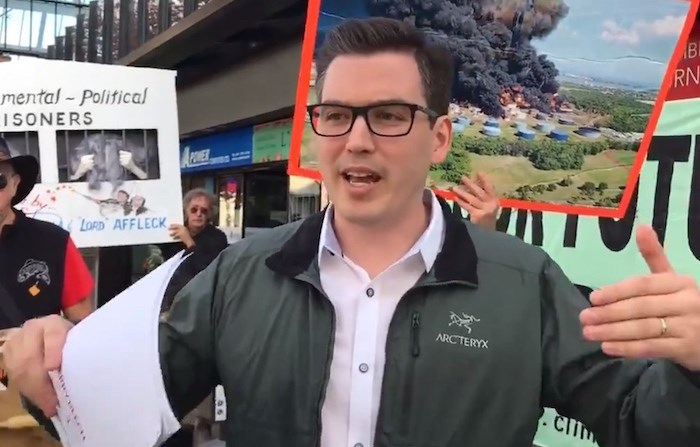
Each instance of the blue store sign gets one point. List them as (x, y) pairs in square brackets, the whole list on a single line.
[(222, 150)]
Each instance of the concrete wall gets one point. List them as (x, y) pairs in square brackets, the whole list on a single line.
[(262, 84)]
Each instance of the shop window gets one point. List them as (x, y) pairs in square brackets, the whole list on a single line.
[(230, 193), (266, 203), (304, 198)]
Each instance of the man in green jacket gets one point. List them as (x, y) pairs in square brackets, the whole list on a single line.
[(386, 321)]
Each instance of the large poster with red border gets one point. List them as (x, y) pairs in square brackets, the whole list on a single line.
[(555, 100)]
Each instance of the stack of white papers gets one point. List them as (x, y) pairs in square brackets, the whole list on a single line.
[(110, 386)]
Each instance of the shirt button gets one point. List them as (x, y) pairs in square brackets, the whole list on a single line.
[(370, 292), (364, 367)]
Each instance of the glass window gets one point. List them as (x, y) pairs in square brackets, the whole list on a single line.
[(30, 26), (265, 200), (192, 181), (230, 192)]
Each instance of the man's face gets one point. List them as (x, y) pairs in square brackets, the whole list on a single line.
[(9, 191), (399, 165), (198, 213)]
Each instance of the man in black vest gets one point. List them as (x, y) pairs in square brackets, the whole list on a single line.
[(41, 273), (41, 270)]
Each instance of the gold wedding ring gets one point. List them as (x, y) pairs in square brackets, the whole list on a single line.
[(664, 327)]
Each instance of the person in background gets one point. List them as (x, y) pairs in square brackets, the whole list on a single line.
[(41, 273), (479, 198), (197, 236), (204, 241)]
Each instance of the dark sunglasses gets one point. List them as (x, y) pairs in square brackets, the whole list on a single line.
[(199, 209), (3, 181)]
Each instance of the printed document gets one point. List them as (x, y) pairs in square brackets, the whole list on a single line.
[(110, 387)]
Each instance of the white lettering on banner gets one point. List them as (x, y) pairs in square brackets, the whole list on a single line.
[(139, 223), (200, 157), (463, 341)]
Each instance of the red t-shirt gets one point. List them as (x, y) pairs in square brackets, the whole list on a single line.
[(77, 280)]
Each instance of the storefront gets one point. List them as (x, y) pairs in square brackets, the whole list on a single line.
[(246, 169)]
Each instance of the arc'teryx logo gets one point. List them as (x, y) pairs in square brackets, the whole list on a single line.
[(463, 321)]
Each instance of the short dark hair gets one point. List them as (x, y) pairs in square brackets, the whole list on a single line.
[(378, 34)]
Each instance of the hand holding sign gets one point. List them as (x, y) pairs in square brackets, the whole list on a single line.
[(182, 234), (652, 316)]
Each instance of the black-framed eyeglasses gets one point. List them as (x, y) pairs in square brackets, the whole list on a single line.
[(393, 119)]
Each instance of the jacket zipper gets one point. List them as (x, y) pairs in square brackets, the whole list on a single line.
[(415, 334)]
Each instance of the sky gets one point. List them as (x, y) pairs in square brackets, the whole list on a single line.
[(22, 20), (621, 41)]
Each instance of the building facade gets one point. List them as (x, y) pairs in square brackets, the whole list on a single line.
[(237, 63)]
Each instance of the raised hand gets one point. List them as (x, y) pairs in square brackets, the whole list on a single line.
[(480, 199), (651, 316), (126, 159), (87, 163)]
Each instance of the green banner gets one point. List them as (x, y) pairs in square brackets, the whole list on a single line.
[(271, 141)]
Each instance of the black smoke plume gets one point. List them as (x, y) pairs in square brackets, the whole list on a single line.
[(494, 58)]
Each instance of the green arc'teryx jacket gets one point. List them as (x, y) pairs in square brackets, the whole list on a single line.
[(475, 350)]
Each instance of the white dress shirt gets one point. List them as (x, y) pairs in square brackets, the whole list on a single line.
[(364, 308)]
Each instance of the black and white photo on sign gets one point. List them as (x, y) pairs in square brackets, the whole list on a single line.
[(127, 201), (23, 143), (107, 157)]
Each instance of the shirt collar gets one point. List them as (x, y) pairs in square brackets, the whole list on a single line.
[(428, 245)]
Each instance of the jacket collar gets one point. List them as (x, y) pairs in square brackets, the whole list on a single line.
[(427, 246), (456, 262)]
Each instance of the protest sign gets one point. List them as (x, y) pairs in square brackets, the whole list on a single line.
[(553, 99), (106, 138)]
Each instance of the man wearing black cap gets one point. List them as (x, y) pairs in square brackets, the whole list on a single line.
[(41, 270), (41, 273)]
